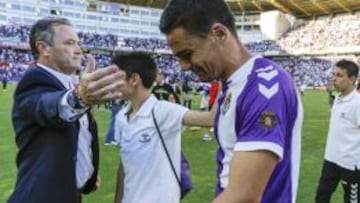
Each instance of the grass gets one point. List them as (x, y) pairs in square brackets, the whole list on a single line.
[(200, 154)]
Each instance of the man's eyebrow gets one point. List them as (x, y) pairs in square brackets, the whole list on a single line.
[(70, 40)]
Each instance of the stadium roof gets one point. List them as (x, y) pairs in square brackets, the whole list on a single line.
[(298, 8)]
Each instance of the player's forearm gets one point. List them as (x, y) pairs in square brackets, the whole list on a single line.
[(198, 118)]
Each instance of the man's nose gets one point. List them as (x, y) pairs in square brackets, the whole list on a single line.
[(78, 49)]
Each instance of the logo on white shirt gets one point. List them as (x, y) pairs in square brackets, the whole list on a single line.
[(145, 138)]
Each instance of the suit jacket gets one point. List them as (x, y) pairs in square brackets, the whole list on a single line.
[(46, 158)]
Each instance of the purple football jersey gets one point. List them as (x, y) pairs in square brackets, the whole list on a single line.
[(259, 109)]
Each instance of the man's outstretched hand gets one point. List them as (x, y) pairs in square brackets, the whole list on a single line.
[(101, 85)]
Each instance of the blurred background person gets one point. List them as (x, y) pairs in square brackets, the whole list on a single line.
[(115, 107), (163, 90), (342, 152), (187, 94)]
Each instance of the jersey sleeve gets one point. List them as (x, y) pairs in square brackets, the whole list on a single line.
[(262, 118), (169, 117)]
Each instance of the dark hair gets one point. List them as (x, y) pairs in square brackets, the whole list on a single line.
[(196, 16), (42, 30), (350, 67), (140, 63)]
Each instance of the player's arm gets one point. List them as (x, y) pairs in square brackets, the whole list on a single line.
[(198, 118), (119, 184), (201, 118), (250, 172)]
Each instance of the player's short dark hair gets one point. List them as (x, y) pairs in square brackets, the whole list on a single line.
[(43, 30), (196, 16), (352, 70), (140, 63)]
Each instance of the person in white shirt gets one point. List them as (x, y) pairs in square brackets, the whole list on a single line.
[(145, 174), (342, 153)]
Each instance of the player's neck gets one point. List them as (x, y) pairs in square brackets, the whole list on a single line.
[(345, 92), (139, 100), (237, 59)]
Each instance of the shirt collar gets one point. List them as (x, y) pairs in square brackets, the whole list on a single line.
[(146, 107), (348, 97), (66, 80), (242, 72)]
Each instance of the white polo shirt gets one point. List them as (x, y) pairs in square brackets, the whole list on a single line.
[(148, 174), (343, 141)]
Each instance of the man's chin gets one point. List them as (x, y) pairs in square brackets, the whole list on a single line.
[(77, 67)]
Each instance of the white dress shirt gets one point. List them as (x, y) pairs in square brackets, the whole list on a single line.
[(84, 166)]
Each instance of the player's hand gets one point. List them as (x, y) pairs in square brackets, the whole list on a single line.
[(101, 85)]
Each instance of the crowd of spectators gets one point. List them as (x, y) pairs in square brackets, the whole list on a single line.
[(102, 59), (17, 34), (318, 34), (263, 46), (19, 31), (95, 40), (170, 68), (314, 72), (315, 35), (309, 71), (146, 44), (13, 63), (323, 33)]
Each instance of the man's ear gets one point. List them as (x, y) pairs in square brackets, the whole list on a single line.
[(135, 79), (43, 48), (219, 31)]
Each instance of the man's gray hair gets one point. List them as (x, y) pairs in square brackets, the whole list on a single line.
[(42, 30)]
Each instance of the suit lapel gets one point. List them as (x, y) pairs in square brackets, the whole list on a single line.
[(55, 79)]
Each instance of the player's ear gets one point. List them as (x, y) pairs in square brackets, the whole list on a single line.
[(219, 31), (135, 79)]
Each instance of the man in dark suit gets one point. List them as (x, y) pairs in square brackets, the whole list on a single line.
[(55, 132)]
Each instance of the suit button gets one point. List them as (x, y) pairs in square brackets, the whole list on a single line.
[(74, 158)]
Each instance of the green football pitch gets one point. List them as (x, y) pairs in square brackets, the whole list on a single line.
[(201, 154)]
